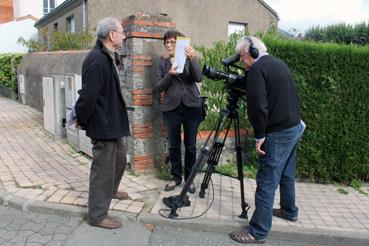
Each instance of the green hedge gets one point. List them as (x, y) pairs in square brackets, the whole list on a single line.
[(333, 84), (8, 70)]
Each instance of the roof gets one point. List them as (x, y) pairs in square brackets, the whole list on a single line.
[(58, 11), (269, 8)]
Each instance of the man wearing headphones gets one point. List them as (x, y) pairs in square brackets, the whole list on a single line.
[(273, 109)]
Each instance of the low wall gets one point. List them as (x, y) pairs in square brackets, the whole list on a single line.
[(36, 65)]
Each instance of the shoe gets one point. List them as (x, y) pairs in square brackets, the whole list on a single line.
[(121, 195), (278, 212), (172, 184), (108, 223), (245, 237), (192, 189)]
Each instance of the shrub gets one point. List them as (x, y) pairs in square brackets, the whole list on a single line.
[(8, 70)]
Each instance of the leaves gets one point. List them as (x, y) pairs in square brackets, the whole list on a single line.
[(8, 70)]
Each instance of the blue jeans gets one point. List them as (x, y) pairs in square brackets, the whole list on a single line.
[(190, 118), (277, 166)]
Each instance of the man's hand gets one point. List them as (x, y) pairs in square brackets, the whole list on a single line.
[(258, 146), (76, 125)]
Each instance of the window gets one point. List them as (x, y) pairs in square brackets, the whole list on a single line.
[(48, 6), (55, 26), (70, 24), (235, 27)]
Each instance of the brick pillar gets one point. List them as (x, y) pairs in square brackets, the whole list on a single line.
[(142, 51)]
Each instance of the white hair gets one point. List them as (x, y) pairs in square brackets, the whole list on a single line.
[(243, 44), (105, 26)]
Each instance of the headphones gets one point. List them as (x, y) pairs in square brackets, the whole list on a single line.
[(254, 52)]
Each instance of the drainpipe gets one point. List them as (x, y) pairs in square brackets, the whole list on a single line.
[(84, 15)]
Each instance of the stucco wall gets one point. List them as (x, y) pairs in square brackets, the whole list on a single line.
[(36, 65), (77, 12), (62, 20), (203, 20)]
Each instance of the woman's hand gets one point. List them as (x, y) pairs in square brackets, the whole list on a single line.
[(173, 71), (190, 52)]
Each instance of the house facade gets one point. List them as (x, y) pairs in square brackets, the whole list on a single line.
[(202, 20), (17, 19)]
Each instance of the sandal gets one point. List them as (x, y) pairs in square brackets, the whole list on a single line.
[(172, 184), (244, 237)]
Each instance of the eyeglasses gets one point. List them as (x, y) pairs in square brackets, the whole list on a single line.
[(170, 42), (122, 32)]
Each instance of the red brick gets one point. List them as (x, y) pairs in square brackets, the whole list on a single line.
[(142, 57), (142, 97), (142, 63), (141, 91), (142, 102), (144, 35), (148, 23), (141, 157), (142, 135), (138, 69)]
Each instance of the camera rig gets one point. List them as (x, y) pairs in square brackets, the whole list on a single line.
[(210, 152)]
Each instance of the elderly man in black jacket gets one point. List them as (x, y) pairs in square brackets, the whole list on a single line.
[(101, 111)]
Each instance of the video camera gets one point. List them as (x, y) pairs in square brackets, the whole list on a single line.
[(234, 83)]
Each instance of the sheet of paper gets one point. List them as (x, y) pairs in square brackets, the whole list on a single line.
[(180, 56)]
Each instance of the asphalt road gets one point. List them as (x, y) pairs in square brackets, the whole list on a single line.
[(34, 229)]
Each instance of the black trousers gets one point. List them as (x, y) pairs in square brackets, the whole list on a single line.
[(107, 168), (189, 118)]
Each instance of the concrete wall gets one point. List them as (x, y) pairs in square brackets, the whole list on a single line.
[(36, 65), (202, 20)]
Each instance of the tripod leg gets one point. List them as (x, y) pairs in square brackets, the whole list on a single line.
[(244, 204), (213, 159)]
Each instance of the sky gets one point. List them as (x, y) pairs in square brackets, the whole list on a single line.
[(303, 14)]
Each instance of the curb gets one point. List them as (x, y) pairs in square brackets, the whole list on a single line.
[(7, 199), (311, 236)]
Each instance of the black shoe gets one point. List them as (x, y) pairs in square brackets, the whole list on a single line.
[(172, 184), (278, 212), (192, 189)]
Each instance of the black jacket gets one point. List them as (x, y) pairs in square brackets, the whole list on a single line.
[(272, 100), (100, 108), (180, 88)]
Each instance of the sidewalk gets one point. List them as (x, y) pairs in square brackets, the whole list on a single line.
[(36, 169)]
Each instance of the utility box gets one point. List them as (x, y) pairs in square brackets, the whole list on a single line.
[(72, 84), (85, 143), (53, 94), (76, 138)]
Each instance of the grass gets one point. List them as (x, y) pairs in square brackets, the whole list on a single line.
[(249, 171), (356, 184), (342, 191)]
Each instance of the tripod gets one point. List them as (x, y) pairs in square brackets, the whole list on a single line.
[(211, 156)]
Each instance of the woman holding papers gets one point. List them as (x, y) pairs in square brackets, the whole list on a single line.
[(182, 103)]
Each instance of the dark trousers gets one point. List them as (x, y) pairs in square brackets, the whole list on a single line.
[(276, 167), (189, 118), (107, 168)]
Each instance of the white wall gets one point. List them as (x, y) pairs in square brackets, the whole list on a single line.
[(13, 30), (31, 7)]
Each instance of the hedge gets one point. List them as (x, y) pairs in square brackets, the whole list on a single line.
[(333, 85), (8, 70)]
